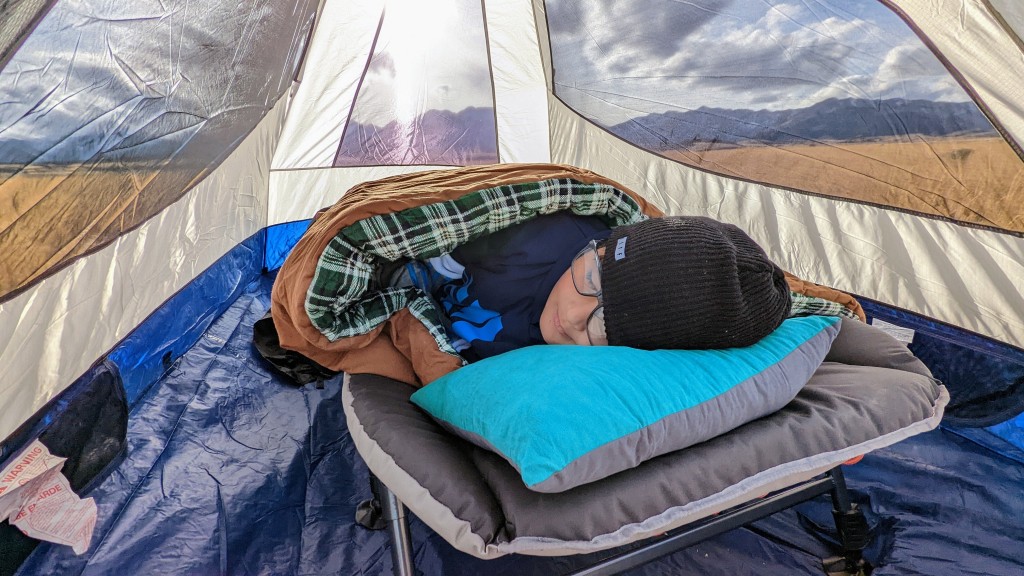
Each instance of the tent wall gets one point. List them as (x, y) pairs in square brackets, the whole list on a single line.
[(110, 112), (960, 275), (52, 333), (520, 88), (1012, 12), (302, 180), (335, 61), (979, 47)]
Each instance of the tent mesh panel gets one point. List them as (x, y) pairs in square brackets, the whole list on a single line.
[(18, 19)]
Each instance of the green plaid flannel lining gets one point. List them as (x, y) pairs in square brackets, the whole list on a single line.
[(811, 306), (340, 305)]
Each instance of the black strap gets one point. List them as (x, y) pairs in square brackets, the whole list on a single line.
[(296, 368)]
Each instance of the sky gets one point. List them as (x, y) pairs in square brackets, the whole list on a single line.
[(90, 76), (431, 55), (105, 75), (756, 54), (96, 74)]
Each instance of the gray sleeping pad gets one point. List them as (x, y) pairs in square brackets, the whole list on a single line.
[(869, 393)]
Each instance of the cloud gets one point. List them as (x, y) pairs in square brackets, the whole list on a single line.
[(912, 70), (88, 76), (381, 66), (766, 54), (615, 38)]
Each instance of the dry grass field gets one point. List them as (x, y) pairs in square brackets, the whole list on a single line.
[(975, 180), (50, 215)]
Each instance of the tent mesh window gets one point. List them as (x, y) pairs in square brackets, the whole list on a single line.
[(426, 97), (841, 99), (110, 112), (18, 19)]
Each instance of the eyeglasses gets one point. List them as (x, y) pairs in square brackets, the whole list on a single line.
[(586, 278)]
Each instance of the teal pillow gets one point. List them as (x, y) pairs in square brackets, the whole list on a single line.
[(564, 416)]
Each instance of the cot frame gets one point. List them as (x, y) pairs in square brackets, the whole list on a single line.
[(385, 511)]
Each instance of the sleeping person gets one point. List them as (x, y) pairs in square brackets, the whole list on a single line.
[(681, 282)]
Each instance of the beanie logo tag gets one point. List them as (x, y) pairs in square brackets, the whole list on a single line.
[(620, 248)]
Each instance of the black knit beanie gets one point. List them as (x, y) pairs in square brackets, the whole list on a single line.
[(689, 282)]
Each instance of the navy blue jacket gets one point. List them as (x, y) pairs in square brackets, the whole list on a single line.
[(496, 305)]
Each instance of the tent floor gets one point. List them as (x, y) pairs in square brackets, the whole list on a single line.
[(231, 471)]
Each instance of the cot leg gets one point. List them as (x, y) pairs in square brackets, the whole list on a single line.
[(385, 510), (398, 530), (852, 527)]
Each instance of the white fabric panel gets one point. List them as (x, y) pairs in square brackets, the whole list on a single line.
[(520, 88), (543, 39), (53, 333), (1012, 12), (298, 194), (976, 44), (966, 277), (335, 61)]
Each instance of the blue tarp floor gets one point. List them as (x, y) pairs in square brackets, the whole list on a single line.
[(230, 471)]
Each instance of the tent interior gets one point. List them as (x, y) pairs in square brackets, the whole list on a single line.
[(159, 160)]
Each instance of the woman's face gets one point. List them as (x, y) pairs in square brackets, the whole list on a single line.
[(566, 312), (564, 318)]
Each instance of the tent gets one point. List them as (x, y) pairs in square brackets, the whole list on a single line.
[(158, 159)]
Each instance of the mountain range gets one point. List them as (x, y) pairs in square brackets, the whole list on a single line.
[(435, 137), (829, 120)]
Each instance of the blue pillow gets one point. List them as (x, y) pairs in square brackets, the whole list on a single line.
[(564, 416)]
